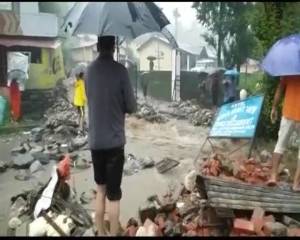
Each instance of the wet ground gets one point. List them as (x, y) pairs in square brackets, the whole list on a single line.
[(175, 139)]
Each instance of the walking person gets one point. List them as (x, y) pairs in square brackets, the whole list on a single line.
[(80, 99), (15, 100), (110, 96), (290, 121)]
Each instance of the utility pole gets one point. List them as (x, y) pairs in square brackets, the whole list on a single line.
[(176, 16)]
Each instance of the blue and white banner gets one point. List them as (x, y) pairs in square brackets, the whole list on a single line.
[(238, 119)]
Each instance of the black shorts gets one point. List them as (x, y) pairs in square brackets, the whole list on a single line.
[(108, 170)]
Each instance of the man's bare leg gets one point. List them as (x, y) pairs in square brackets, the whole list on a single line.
[(114, 214), (100, 209), (276, 158)]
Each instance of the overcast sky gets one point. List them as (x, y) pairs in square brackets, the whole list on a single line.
[(188, 14)]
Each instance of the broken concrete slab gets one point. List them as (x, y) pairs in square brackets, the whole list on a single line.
[(23, 161), (35, 167)]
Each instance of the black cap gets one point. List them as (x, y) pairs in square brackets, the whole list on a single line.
[(106, 42)]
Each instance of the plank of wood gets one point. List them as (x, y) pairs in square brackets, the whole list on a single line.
[(254, 193), (247, 186), (261, 198)]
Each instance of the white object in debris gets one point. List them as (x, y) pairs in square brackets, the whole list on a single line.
[(14, 223), (190, 180), (64, 222), (38, 227), (45, 201), (243, 94)]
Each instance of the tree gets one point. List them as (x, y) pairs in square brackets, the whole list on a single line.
[(229, 22), (270, 22)]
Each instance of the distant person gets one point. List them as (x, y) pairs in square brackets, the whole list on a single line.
[(80, 99), (290, 121), (110, 96), (15, 100), (229, 83)]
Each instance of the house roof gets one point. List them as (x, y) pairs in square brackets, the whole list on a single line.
[(141, 42), (29, 42)]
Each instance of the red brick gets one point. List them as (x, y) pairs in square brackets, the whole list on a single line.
[(293, 232), (241, 225), (258, 219)]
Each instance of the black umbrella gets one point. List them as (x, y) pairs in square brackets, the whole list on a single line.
[(127, 19)]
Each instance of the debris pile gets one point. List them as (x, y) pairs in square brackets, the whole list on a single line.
[(246, 170), (187, 211), (191, 111), (147, 112), (50, 209)]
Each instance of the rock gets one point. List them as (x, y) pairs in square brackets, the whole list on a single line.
[(35, 167), (265, 156), (275, 229), (18, 207), (22, 175), (88, 197), (3, 167), (147, 162), (82, 164), (14, 223), (290, 221), (36, 149), (23, 161), (79, 142), (89, 233), (18, 150), (42, 157), (190, 180)]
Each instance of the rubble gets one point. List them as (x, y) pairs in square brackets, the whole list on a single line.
[(64, 216), (3, 167), (191, 111), (147, 112), (133, 165)]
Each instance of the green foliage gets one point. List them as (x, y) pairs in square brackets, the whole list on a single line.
[(270, 22)]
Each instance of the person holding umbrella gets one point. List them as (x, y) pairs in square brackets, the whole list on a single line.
[(283, 61), (110, 96)]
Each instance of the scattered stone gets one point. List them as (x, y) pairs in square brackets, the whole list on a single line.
[(42, 157), (148, 113), (18, 150), (35, 167), (265, 156), (89, 233), (18, 207), (275, 229), (88, 197), (82, 164), (22, 175), (3, 167), (14, 223), (290, 221), (36, 149), (23, 161), (148, 162)]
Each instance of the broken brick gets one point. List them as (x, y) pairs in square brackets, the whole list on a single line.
[(191, 233), (243, 226), (258, 219), (293, 232)]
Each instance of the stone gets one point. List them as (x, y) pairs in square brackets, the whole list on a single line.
[(82, 164), (22, 175), (23, 161), (79, 142), (18, 150), (36, 149), (290, 221), (18, 207), (3, 167), (148, 162), (42, 157), (35, 167), (14, 223), (275, 229), (88, 197)]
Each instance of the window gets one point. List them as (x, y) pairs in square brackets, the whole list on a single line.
[(34, 53), (6, 6)]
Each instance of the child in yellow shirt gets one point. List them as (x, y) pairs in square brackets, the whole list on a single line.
[(80, 98)]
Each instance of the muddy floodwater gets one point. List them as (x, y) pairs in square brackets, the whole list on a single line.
[(176, 139)]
